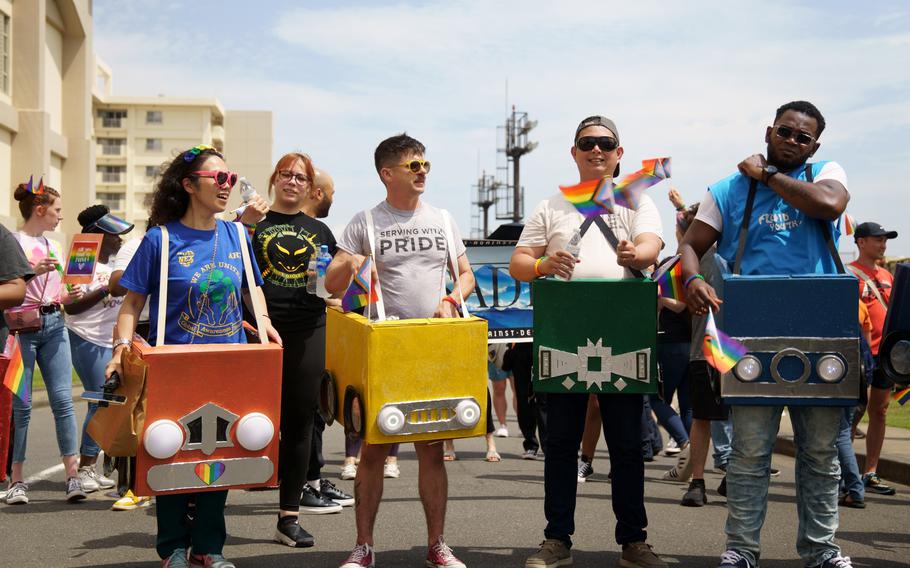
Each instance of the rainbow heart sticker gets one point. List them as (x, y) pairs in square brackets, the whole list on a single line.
[(209, 472)]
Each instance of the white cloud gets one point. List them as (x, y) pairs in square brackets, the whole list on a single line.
[(697, 80)]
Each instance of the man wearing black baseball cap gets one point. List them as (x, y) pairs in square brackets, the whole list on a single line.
[(875, 291)]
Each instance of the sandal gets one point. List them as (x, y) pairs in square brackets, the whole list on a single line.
[(493, 456), (449, 456)]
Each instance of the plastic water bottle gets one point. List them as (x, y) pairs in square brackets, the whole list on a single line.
[(247, 192), (323, 259), (311, 275), (573, 248)]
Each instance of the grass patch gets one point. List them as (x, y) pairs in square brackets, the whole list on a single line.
[(898, 416)]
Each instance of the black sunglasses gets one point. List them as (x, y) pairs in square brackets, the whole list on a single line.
[(605, 143), (787, 133)]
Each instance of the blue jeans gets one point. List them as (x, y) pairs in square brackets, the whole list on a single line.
[(50, 348), (89, 360), (721, 436), (674, 362), (817, 478), (852, 481)]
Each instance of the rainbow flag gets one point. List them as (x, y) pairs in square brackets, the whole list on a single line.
[(902, 396), (362, 290), (721, 351), (669, 280), (582, 196), (849, 224), (14, 379)]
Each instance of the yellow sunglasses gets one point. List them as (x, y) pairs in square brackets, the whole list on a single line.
[(415, 165)]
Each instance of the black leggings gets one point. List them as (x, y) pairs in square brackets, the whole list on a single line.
[(302, 368)]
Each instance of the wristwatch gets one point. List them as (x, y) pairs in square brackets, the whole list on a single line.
[(123, 341), (767, 172)]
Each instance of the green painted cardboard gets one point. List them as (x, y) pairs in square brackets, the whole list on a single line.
[(584, 327)]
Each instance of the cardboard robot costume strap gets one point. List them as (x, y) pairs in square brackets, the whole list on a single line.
[(747, 215), (609, 235), (248, 270), (452, 263)]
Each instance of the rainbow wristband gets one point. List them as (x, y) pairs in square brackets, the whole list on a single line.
[(537, 266), (691, 278)]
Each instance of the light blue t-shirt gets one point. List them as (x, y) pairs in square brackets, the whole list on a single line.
[(781, 239), (204, 299)]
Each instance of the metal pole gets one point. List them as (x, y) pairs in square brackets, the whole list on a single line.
[(516, 196)]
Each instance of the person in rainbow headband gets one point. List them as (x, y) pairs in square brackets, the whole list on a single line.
[(541, 251), (786, 235)]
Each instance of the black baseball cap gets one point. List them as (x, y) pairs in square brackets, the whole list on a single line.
[(598, 121), (870, 229)]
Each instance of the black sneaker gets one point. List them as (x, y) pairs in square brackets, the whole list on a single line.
[(290, 532), (733, 559), (874, 484), (313, 503), (722, 488), (329, 491), (585, 470), (695, 496), (774, 472)]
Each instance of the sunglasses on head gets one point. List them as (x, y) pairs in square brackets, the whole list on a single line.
[(415, 165), (110, 224), (787, 133), (224, 179), (605, 143)]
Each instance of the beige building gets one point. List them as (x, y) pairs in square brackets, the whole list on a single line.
[(135, 136), (46, 70)]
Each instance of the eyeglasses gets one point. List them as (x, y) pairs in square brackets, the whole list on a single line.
[(605, 143), (301, 179), (415, 165), (800, 138), (224, 179)]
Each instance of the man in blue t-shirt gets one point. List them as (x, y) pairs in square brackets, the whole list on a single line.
[(786, 235)]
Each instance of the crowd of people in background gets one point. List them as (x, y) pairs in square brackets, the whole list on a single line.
[(85, 328)]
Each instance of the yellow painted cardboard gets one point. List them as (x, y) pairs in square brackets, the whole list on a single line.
[(405, 361)]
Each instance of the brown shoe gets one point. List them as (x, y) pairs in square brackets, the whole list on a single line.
[(553, 553), (640, 555)]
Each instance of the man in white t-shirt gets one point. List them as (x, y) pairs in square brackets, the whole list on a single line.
[(411, 259), (541, 251)]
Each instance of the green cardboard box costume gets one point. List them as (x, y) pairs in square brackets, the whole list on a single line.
[(595, 336)]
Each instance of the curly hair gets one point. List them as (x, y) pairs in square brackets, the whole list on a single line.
[(288, 160), (169, 200), (28, 200)]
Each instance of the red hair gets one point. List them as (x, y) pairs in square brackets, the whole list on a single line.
[(285, 163)]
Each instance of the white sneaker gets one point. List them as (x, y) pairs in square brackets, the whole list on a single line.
[(502, 431), (672, 448), (391, 470), (92, 480), (682, 471), (349, 471)]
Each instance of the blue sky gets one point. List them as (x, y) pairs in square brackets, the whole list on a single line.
[(698, 81)]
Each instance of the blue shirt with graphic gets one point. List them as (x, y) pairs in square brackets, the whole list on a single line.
[(781, 239), (204, 284)]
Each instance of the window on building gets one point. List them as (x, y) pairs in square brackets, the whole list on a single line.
[(114, 201), (153, 144), (112, 118), (112, 146), (112, 174), (153, 117), (151, 172), (4, 53)]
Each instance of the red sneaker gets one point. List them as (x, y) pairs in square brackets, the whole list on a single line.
[(441, 556), (361, 557)]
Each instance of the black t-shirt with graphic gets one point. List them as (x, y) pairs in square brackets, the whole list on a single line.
[(283, 245)]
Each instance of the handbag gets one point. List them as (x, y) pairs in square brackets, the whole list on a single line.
[(27, 319)]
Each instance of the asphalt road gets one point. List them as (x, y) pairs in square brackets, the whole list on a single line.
[(495, 518)]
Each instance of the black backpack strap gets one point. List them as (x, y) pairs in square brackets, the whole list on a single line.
[(826, 229), (744, 226), (609, 235)]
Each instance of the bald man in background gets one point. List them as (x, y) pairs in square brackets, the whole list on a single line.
[(319, 198)]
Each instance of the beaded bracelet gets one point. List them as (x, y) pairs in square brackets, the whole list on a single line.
[(691, 278), (537, 267)]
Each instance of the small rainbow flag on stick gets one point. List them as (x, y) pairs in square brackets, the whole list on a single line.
[(362, 290), (669, 279), (600, 196), (582, 196), (902, 396), (721, 351), (14, 378)]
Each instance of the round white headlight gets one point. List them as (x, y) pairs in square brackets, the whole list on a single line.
[(255, 431), (748, 369), (390, 420), (830, 368), (467, 413), (162, 439), (900, 357)]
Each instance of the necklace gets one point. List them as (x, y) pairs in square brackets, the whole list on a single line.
[(208, 286), (395, 217)]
